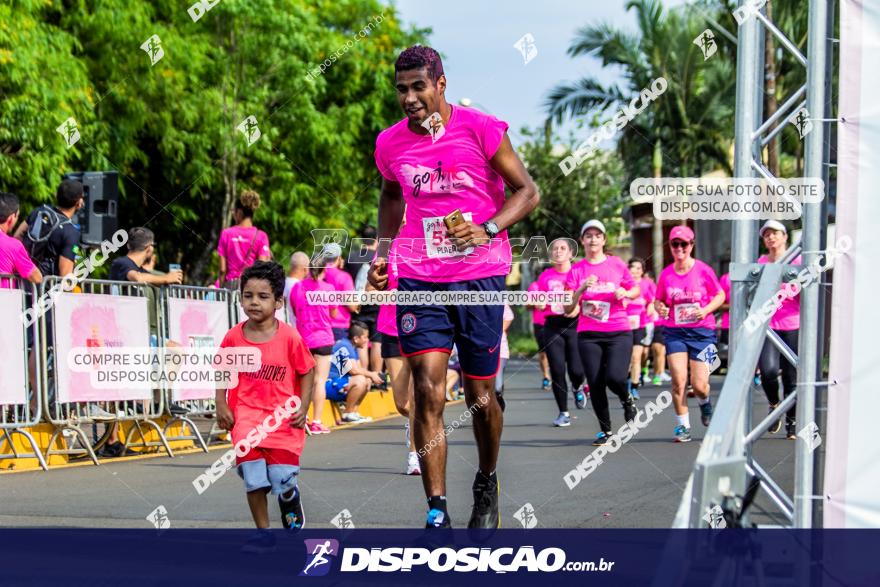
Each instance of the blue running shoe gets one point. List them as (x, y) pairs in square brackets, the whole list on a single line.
[(634, 392), (602, 438), (438, 519), (545, 385), (562, 420), (682, 434)]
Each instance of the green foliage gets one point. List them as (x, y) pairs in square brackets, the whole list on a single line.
[(692, 120), (592, 190), (170, 128)]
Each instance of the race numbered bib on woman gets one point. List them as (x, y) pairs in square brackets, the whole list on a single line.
[(687, 313), (634, 321), (437, 243), (599, 311)]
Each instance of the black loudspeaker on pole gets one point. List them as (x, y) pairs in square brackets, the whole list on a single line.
[(98, 219)]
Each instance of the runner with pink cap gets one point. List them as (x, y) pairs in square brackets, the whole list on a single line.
[(688, 293)]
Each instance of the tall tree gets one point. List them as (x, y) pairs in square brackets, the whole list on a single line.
[(691, 123)]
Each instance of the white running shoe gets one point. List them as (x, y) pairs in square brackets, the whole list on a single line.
[(355, 418), (412, 464), (665, 377), (97, 413)]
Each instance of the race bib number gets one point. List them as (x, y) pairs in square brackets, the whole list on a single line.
[(437, 243), (686, 313), (596, 310), (634, 321)]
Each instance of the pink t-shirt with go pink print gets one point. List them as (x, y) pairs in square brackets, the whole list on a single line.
[(438, 177), (312, 320), (601, 311), (686, 293)]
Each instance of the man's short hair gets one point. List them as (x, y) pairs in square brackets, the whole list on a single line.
[(299, 259), (417, 57), (357, 328), (270, 271), (69, 193), (139, 238), (8, 205)]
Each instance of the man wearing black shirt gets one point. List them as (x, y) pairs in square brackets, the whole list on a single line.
[(141, 244), (62, 246)]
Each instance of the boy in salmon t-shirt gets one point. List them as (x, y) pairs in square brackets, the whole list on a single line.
[(286, 370)]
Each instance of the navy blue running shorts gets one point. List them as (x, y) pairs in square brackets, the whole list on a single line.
[(475, 330)]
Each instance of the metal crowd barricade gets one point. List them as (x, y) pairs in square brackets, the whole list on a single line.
[(69, 417), (183, 410), (16, 418)]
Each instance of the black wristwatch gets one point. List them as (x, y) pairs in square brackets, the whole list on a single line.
[(491, 229)]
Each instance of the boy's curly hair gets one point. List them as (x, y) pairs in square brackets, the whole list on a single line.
[(268, 270)]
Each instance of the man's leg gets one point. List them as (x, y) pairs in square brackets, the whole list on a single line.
[(479, 394), (429, 378)]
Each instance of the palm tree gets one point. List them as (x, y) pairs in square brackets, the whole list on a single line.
[(690, 126)]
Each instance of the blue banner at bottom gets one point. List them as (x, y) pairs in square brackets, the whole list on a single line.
[(439, 557)]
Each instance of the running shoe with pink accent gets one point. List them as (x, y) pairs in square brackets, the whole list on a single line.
[(318, 428)]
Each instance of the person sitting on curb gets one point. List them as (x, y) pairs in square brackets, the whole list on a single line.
[(349, 381)]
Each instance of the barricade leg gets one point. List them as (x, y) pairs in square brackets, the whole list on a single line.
[(144, 443), (79, 434), (36, 454), (186, 422)]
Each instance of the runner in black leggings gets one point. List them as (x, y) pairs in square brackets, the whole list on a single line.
[(600, 282), (786, 323), (560, 334)]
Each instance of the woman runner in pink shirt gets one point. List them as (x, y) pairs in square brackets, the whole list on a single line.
[(786, 322), (600, 283), (688, 293), (561, 334), (313, 324), (242, 244)]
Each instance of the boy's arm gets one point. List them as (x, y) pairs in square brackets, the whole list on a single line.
[(305, 384), (225, 419)]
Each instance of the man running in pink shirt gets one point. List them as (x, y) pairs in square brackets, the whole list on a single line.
[(437, 160)]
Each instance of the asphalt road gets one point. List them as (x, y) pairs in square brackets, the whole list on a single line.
[(361, 470)]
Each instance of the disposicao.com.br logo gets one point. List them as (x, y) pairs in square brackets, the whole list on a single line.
[(442, 560)]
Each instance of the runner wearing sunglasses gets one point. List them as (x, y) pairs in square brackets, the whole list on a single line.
[(688, 293)]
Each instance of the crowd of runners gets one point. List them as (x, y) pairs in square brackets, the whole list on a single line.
[(452, 185)]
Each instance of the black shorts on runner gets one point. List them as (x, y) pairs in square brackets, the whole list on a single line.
[(390, 346), (658, 335), (474, 329), (370, 321), (638, 335), (324, 351)]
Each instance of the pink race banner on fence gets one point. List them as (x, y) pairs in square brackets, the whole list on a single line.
[(93, 320), (196, 323), (12, 349)]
